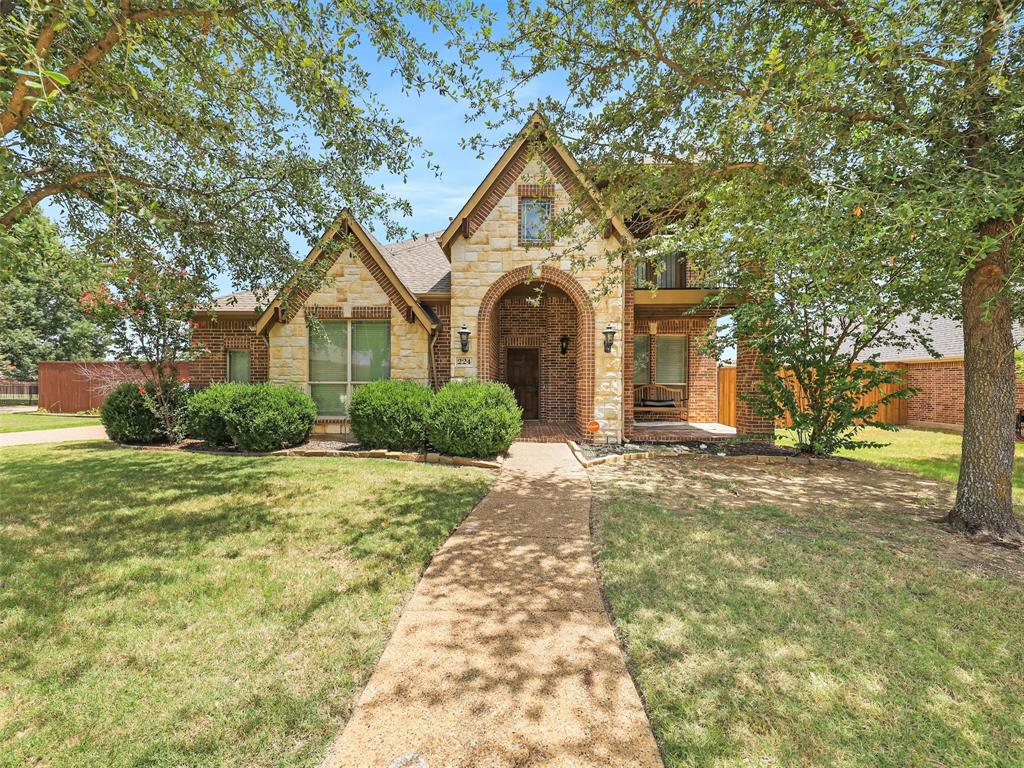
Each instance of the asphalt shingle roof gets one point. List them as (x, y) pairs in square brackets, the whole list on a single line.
[(239, 301), (947, 337), (420, 264)]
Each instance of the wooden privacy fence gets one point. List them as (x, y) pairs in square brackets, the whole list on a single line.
[(18, 392), (74, 386), (892, 412), (727, 395)]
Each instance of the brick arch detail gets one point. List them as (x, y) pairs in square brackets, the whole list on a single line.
[(487, 331)]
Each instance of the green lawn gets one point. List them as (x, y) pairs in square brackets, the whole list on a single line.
[(29, 422), (167, 609), (769, 622), (930, 453)]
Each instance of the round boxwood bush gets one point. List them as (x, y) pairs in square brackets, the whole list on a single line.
[(205, 415), (390, 414), (128, 413), (475, 419), (267, 417)]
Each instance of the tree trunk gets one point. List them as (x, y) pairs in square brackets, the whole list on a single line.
[(984, 501)]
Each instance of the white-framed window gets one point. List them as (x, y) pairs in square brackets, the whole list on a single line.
[(239, 366), (642, 359), (535, 220), (343, 355), (670, 359)]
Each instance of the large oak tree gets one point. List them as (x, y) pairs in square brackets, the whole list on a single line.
[(915, 108), (211, 129)]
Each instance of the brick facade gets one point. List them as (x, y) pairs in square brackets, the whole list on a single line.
[(214, 337), (940, 399), (701, 404), (581, 331), (523, 323), (441, 350)]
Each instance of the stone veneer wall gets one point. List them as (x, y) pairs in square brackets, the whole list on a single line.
[(349, 291), (524, 323), (214, 337), (493, 250), (702, 370)]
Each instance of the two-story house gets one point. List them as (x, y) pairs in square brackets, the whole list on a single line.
[(612, 364)]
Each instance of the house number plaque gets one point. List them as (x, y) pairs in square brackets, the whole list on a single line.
[(463, 361)]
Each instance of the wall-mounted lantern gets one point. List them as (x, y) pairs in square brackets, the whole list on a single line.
[(609, 337), (464, 337), (564, 343)]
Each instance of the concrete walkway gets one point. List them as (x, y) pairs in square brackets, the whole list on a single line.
[(65, 435), (504, 655)]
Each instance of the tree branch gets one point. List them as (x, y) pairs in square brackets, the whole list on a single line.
[(19, 106)]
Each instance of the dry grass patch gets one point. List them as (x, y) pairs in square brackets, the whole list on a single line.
[(789, 615)]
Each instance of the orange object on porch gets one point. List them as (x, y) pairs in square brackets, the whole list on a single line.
[(593, 427)]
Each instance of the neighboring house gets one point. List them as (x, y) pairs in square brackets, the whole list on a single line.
[(939, 381), (463, 303)]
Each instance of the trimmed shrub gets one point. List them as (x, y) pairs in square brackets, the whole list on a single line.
[(391, 414), (267, 417), (129, 413), (205, 415), (469, 418)]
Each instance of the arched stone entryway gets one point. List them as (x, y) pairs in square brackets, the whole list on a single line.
[(508, 321)]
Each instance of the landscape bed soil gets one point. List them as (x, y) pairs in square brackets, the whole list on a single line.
[(745, 448)]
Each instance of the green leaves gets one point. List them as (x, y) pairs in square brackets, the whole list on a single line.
[(191, 128)]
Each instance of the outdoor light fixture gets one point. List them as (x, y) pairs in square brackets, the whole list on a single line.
[(464, 337), (564, 341), (609, 337)]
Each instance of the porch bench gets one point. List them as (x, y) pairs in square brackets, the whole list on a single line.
[(657, 398)]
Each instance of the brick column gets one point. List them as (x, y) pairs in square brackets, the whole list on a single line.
[(748, 422)]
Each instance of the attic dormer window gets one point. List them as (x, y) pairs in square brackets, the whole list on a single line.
[(535, 220)]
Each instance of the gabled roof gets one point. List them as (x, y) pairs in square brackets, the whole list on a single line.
[(945, 334), (370, 252), (508, 168), (421, 265)]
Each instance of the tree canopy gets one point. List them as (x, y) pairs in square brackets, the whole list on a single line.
[(909, 112), (210, 129), (41, 282)]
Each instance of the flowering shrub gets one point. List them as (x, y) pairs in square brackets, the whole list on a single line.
[(131, 413)]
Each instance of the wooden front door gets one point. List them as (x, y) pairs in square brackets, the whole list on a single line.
[(522, 368)]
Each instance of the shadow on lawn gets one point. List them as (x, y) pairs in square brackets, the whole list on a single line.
[(97, 521)]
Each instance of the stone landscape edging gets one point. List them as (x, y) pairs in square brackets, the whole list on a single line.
[(577, 452), (614, 457), (379, 453)]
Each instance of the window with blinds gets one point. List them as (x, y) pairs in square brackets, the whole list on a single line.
[(670, 354), (344, 355), (642, 359)]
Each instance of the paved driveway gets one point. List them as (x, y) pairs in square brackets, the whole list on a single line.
[(65, 435), (504, 655)]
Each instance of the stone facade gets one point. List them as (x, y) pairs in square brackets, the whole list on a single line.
[(484, 272), (349, 291), (493, 250)]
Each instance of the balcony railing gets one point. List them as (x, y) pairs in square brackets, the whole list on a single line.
[(671, 273)]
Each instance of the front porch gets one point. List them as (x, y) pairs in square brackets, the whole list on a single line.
[(680, 431), (536, 431)]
